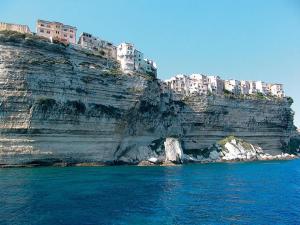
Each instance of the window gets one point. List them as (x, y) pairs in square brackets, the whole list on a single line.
[(65, 35), (42, 25), (48, 31), (42, 30), (71, 36), (57, 32), (72, 32)]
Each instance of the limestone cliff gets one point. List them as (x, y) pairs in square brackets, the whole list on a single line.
[(64, 104)]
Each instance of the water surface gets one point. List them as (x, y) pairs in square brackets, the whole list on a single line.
[(224, 193)]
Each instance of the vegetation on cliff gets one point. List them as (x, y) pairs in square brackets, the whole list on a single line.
[(71, 97)]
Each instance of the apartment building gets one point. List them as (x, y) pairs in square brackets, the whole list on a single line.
[(201, 84), (263, 88), (245, 87), (252, 87), (233, 86), (132, 60), (179, 84), (215, 84), (105, 48), (277, 90), (126, 56), (198, 83), (149, 67), (56, 31)]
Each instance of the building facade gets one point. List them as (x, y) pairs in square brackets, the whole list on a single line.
[(15, 27), (234, 86), (56, 31), (252, 87), (215, 84), (105, 48), (179, 84), (149, 67), (245, 87), (132, 60), (198, 83), (263, 88), (185, 85), (277, 90), (126, 56)]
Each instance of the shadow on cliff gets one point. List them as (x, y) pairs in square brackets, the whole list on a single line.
[(67, 91)]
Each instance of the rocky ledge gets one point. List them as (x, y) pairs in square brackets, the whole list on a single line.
[(62, 105), (230, 149)]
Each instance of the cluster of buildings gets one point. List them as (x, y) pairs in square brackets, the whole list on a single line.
[(131, 59), (202, 84)]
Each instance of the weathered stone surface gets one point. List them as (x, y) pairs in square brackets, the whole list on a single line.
[(235, 149), (64, 105), (173, 150)]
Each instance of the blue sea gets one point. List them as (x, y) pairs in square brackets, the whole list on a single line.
[(222, 193)]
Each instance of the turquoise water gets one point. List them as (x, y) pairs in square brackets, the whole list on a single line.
[(227, 193)]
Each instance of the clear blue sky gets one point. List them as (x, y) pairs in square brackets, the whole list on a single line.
[(239, 39)]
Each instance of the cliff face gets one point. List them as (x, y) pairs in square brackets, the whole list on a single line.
[(62, 104)]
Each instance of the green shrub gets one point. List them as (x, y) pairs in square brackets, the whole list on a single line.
[(290, 100), (260, 96), (226, 92), (146, 106), (102, 52), (292, 146), (112, 72), (81, 91), (78, 106), (151, 74), (46, 104), (99, 109), (11, 33), (87, 79)]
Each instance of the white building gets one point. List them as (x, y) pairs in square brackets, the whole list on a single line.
[(245, 87), (198, 83), (179, 84), (252, 87), (56, 31), (233, 86), (263, 88), (149, 67), (277, 90), (215, 84), (184, 85), (126, 57), (105, 48), (132, 60), (15, 27)]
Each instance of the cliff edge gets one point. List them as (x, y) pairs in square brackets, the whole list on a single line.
[(63, 104)]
